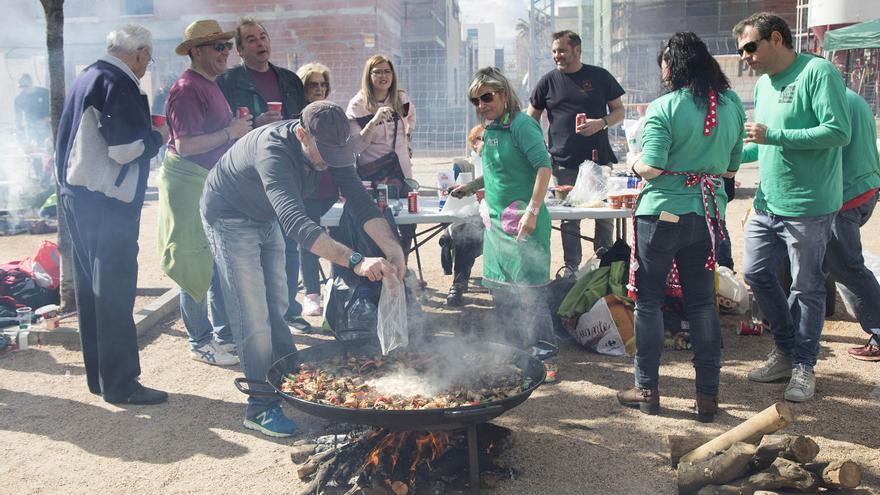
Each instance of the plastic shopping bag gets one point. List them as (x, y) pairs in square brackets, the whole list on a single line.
[(590, 188), (392, 328), (732, 293), (608, 328)]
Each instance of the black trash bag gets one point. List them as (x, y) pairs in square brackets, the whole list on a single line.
[(346, 287), (559, 288)]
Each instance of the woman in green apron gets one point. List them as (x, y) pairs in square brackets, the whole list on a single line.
[(516, 244)]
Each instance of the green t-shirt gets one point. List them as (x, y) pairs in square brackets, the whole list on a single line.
[(807, 117), (861, 165), (673, 140)]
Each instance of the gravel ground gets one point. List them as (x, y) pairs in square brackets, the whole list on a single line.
[(569, 438)]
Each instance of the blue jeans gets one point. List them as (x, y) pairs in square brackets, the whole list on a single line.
[(689, 244), (250, 261), (195, 316), (846, 265), (796, 321)]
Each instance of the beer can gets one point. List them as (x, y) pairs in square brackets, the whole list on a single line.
[(750, 328), (580, 119), (413, 201), (382, 196), (243, 112)]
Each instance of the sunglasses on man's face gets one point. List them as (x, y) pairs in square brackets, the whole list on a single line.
[(220, 46), (750, 47), (485, 98)]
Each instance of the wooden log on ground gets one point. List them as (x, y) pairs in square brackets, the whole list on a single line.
[(837, 474), (727, 466), (679, 445), (796, 448), (783, 474), (768, 421)]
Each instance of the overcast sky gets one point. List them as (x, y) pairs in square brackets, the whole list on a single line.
[(503, 13)]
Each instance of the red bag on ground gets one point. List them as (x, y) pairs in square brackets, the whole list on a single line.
[(45, 265)]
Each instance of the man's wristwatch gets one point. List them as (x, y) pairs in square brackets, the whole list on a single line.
[(606, 123), (354, 259)]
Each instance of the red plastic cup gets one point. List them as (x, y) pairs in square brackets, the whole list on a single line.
[(274, 106), (615, 201), (481, 193), (158, 120), (243, 112)]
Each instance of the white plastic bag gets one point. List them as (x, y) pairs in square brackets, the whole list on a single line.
[(461, 207), (633, 129), (732, 293), (392, 326), (590, 187), (598, 330)]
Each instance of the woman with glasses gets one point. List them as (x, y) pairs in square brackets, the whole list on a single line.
[(692, 138), (316, 80), (382, 115), (382, 120), (516, 242)]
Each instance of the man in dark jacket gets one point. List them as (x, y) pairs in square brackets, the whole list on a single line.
[(105, 143), (254, 84)]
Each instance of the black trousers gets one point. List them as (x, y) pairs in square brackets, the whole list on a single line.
[(105, 246)]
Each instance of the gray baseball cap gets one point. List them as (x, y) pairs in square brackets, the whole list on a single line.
[(326, 122)]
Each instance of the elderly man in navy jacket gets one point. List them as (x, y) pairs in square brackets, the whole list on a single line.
[(105, 143)]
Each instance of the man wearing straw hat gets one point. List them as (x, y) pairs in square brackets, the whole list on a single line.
[(202, 129)]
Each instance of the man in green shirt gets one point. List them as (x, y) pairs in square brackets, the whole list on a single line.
[(801, 121), (861, 180)]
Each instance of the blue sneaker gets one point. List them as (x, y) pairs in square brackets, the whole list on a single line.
[(271, 422)]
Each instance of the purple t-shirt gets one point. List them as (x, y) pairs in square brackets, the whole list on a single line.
[(267, 85), (196, 106)]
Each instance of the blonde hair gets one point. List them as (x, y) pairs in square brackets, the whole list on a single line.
[(370, 102), (313, 68), (494, 79)]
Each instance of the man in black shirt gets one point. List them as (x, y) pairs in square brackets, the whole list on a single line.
[(32, 111), (571, 89)]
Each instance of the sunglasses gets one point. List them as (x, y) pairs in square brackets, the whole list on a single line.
[(485, 98), (324, 85), (219, 46), (749, 47), (381, 72)]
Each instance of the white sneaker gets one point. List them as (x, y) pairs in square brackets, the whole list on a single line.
[(802, 385), (212, 354), (227, 348), (312, 305)]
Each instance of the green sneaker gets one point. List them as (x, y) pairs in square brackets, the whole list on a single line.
[(802, 385), (776, 367)]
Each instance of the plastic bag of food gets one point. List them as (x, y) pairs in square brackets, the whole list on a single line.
[(590, 187), (392, 327)]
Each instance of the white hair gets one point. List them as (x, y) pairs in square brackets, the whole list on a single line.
[(129, 39)]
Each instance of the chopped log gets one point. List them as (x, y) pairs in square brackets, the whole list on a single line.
[(783, 474), (679, 445), (792, 447), (731, 464), (300, 453), (399, 488), (314, 486), (837, 474), (313, 463), (768, 421)]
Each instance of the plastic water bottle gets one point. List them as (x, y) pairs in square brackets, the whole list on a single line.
[(363, 314), (442, 203)]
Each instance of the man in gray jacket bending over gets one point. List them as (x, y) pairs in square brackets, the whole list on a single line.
[(266, 174)]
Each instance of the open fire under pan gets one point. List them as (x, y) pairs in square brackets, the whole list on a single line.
[(418, 420)]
